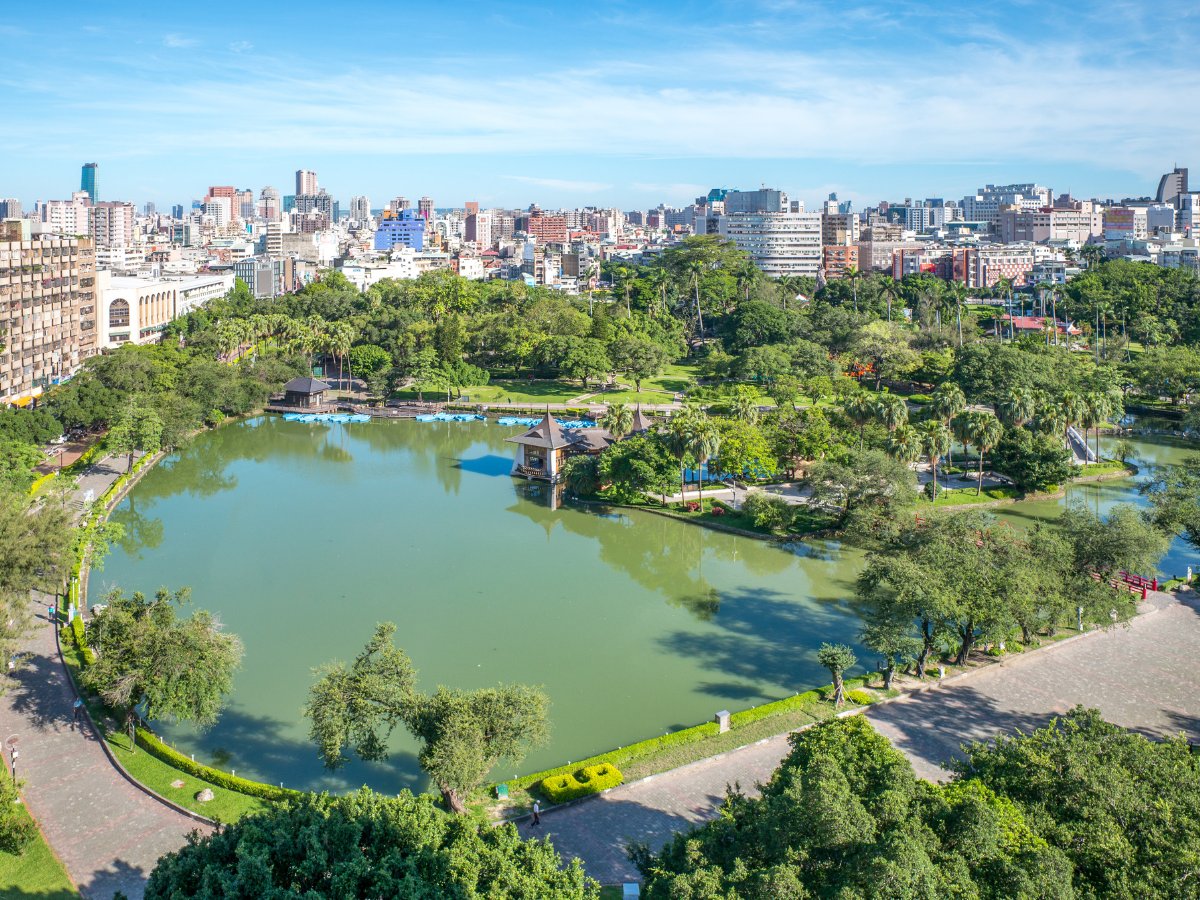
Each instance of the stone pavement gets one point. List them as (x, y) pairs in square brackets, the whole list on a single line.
[(1142, 675), (107, 832)]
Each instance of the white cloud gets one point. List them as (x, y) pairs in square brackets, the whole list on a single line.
[(176, 41), (241, 46)]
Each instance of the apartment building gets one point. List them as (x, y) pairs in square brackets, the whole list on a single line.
[(47, 313), (779, 243)]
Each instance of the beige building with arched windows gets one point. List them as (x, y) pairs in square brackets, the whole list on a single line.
[(136, 309)]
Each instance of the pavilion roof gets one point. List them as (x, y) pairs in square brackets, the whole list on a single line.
[(547, 434), (305, 385)]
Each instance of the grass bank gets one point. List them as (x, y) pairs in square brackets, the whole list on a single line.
[(36, 873)]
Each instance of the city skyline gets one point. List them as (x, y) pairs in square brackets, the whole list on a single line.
[(622, 106)]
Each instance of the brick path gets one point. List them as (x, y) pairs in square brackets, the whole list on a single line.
[(1142, 676), (108, 833)]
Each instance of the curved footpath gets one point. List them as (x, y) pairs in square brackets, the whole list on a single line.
[(1142, 676), (108, 833)]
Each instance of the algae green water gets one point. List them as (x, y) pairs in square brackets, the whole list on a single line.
[(302, 537)]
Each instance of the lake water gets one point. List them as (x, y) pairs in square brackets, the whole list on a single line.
[(302, 537)]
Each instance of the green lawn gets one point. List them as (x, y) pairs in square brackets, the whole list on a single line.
[(504, 390), (1104, 467), (962, 496), (633, 398), (35, 873)]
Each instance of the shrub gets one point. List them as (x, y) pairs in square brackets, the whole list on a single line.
[(585, 781), (862, 698), (768, 511), (692, 506), (805, 701), (717, 510)]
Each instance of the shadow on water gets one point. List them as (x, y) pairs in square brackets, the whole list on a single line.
[(491, 464), (764, 636), (256, 745)]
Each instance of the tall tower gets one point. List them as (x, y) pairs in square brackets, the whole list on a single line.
[(87, 180), (306, 182), (425, 208)]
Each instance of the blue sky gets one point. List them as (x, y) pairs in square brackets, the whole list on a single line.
[(614, 103)]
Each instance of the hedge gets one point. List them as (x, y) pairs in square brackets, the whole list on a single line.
[(41, 482), (862, 698), (787, 704), (633, 751), (585, 781), (149, 742)]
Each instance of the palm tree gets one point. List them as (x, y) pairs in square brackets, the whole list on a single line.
[(581, 474), (338, 338), (853, 274), (617, 420), (745, 406), (891, 290), (1016, 408), (706, 444), (904, 444), (1097, 408), (891, 411), (936, 440), (1072, 408), (860, 407), (1005, 287), (947, 402), (985, 431), (679, 442), (956, 295)]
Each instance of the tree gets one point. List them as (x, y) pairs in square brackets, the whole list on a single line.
[(860, 408), (983, 430), (581, 475), (1016, 408), (1120, 807), (364, 844), (1034, 462), (892, 639), (745, 450), (637, 466), (17, 461), (17, 830), (640, 359), (1123, 542), (585, 359), (149, 659), (904, 444), (888, 348), (369, 359), (844, 816), (946, 403), (464, 734), (617, 420), (866, 488), (936, 441), (891, 411), (705, 444), (681, 440), (744, 404), (837, 658), (1174, 494), (137, 428)]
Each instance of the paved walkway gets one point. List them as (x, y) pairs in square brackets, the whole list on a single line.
[(1142, 676), (108, 833)]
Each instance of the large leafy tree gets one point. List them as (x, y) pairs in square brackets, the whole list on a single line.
[(865, 489), (150, 660), (464, 734), (845, 817), (1174, 493), (364, 845)]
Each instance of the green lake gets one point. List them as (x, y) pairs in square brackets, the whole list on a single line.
[(301, 537)]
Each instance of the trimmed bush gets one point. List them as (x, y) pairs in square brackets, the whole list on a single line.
[(152, 745), (581, 783), (862, 698)]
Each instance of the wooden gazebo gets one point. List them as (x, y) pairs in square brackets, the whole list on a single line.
[(304, 393)]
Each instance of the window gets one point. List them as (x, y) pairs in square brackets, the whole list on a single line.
[(118, 314)]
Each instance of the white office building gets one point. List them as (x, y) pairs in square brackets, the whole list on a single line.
[(779, 243)]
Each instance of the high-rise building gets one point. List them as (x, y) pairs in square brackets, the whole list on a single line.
[(245, 204), (779, 243), (269, 205), (111, 224), (289, 202), (425, 208), (10, 208), (306, 182), (1172, 185), (399, 204), (360, 209), (69, 217), (177, 211), (220, 209), (402, 229), (48, 314), (764, 200), (547, 229), (478, 228), (149, 209), (87, 180), (227, 191)]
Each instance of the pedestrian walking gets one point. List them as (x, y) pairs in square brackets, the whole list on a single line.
[(537, 813), (78, 711), (13, 754), (50, 612)]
